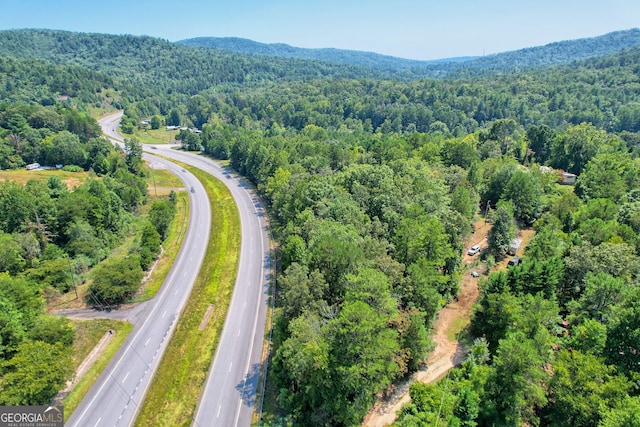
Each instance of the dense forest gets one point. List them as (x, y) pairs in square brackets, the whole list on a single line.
[(373, 186)]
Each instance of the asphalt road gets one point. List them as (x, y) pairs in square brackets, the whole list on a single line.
[(117, 395), (228, 398)]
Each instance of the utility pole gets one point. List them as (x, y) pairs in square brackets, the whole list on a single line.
[(486, 211), (73, 282)]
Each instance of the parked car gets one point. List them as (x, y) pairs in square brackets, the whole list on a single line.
[(474, 274), (473, 250), (514, 261)]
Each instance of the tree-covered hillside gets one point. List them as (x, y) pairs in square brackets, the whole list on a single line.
[(604, 91), (43, 82), (375, 61), (553, 53), (168, 66)]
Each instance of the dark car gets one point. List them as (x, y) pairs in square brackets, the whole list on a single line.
[(514, 261)]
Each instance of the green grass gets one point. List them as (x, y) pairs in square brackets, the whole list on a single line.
[(174, 392), (21, 176), (457, 329), (153, 136), (88, 334), (162, 178)]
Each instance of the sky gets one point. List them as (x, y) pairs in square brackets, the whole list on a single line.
[(415, 29)]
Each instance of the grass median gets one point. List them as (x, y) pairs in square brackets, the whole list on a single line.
[(174, 392)]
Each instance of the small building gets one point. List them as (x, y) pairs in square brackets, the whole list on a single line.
[(514, 245), (567, 178)]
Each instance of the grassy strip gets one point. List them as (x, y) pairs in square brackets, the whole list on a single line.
[(88, 333), (174, 392)]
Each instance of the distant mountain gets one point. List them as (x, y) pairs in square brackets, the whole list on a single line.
[(380, 62), (560, 52), (550, 54)]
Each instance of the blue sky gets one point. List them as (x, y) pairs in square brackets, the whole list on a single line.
[(425, 29)]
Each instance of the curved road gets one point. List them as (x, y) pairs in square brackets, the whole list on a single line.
[(116, 397), (229, 394), (228, 397)]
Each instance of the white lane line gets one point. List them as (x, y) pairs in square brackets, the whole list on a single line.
[(164, 314), (147, 341), (219, 408), (176, 292), (97, 422), (125, 377), (230, 366)]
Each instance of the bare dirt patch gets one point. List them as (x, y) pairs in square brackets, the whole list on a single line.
[(85, 365), (448, 352)]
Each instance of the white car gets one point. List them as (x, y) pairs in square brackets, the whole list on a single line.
[(473, 250)]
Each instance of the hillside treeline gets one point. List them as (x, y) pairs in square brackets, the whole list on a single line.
[(604, 92)]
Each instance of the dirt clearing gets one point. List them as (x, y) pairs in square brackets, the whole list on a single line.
[(452, 319)]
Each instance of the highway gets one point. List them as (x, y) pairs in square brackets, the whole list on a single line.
[(116, 397), (228, 398)]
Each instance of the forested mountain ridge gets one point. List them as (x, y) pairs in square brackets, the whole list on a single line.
[(186, 69), (32, 80), (242, 88), (553, 53), (376, 61), (174, 67)]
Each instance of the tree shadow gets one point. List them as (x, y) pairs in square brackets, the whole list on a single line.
[(248, 388)]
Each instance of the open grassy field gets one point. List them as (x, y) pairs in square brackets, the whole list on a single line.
[(72, 179), (154, 136)]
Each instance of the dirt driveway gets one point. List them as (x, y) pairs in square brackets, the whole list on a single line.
[(448, 352)]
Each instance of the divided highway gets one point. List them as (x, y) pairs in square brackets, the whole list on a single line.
[(228, 398)]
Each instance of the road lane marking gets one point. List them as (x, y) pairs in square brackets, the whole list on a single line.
[(164, 314), (97, 422), (219, 408), (230, 366), (125, 377), (147, 341)]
